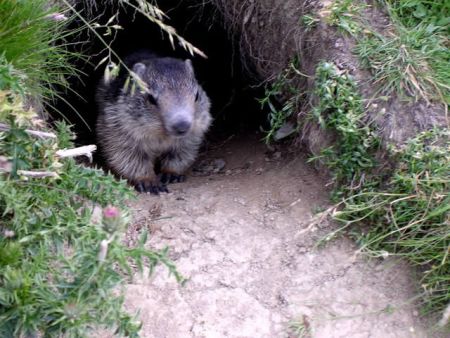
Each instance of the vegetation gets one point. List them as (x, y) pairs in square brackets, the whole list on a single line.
[(284, 88), (33, 41), (300, 328), (339, 108), (407, 215), (416, 12), (409, 62), (426, 25), (405, 209), (412, 59), (62, 261)]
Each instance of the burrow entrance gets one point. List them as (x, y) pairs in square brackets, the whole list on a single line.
[(232, 90), (210, 223)]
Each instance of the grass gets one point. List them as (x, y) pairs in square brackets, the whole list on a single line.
[(405, 210), (300, 328), (411, 58), (62, 261), (62, 264), (345, 15), (339, 108), (32, 40), (410, 62), (428, 24), (408, 214), (283, 89), (141, 8), (435, 14)]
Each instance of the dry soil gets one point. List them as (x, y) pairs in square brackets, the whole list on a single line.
[(239, 231)]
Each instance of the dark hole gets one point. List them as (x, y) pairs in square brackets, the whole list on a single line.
[(232, 91)]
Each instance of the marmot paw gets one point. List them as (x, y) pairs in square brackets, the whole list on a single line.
[(172, 178), (149, 186)]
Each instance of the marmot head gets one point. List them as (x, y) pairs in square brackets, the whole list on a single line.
[(170, 89)]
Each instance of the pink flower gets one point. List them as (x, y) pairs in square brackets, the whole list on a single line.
[(112, 220), (111, 212), (9, 233)]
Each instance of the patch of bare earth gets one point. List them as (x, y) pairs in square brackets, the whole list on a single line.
[(240, 235)]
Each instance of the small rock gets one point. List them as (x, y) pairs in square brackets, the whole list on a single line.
[(301, 249), (219, 164), (5, 164), (287, 129)]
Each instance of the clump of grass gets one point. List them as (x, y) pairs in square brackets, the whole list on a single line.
[(405, 212), (435, 14), (411, 58), (32, 40), (408, 62), (300, 328), (283, 89), (345, 15), (61, 263), (408, 215), (309, 21), (427, 24), (339, 108)]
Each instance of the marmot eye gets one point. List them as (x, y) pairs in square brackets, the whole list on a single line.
[(151, 99), (196, 96)]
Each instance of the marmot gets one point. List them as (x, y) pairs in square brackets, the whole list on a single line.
[(143, 131)]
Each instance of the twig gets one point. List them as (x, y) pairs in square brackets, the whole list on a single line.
[(295, 202), (318, 219), (37, 174), (40, 134), (80, 151)]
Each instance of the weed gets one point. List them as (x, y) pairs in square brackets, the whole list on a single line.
[(345, 14), (408, 215), (283, 86), (32, 40), (339, 108), (60, 267), (9, 77), (407, 62), (300, 328)]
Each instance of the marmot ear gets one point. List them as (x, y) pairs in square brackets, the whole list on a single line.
[(139, 69), (189, 66)]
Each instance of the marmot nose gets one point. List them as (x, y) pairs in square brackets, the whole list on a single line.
[(181, 127)]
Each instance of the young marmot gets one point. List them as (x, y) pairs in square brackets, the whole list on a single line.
[(157, 124)]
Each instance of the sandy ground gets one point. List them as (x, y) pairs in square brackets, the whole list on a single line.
[(240, 235)]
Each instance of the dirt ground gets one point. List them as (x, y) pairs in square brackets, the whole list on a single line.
[(238, 230)]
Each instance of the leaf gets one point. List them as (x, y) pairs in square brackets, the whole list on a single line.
[(143, 238), (420, 12)]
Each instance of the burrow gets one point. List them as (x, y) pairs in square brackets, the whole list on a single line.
[(233, 88)]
